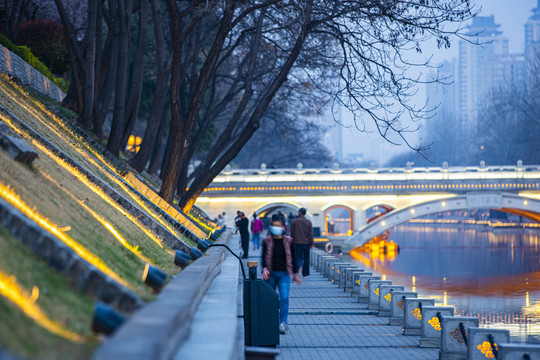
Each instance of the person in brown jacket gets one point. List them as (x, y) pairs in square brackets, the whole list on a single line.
[(302, 235), (278, 266)]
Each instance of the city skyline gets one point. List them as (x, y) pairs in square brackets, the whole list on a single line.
[(372, 148)]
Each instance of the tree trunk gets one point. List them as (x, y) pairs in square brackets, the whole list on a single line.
[(206, 176), (89, 66), (158, 151), (115, 136), (138, 162), (181, 128), (132, 108)]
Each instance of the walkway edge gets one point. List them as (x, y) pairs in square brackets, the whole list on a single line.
[(158, 329)]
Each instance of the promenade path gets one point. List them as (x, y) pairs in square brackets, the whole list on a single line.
[(327, 323)]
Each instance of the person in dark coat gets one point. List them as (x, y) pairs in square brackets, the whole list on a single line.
[(278, 266), (302, 235), (243, 227)]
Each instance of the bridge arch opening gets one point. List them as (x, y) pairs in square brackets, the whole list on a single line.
[(289, 211), (503, 202), (339, 221)]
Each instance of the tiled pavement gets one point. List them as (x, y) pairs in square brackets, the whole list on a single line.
[(327, 323)]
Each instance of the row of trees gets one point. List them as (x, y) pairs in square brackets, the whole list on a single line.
[(222, 67)]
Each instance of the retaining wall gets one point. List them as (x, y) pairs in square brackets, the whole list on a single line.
[(13, 65)]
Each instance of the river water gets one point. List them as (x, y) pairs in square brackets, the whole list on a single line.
[(492, 274)]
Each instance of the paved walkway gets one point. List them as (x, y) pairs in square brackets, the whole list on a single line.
[(327, 323)]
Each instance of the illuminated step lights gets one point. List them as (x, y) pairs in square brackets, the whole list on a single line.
[(12, 198)]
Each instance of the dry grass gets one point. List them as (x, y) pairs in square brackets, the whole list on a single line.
[(19, 334), (36, 115), (52, 199), (64, 199)]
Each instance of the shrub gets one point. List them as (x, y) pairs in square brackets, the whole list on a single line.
[(24, 53), (46, 40)]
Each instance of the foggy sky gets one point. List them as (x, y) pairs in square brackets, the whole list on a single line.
[(511, 15)]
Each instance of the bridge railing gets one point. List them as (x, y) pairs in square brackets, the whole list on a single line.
[(237, 174)]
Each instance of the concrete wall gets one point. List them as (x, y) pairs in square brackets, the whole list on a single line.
[(13, 65)]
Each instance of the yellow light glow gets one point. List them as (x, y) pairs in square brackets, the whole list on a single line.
[(11, 197), (85, 181), (27, 303), (445, 298), (111, 173), (134, 249), (443, 204), (412, 211)]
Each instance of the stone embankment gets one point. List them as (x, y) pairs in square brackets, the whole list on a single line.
[(13, 65), (86, 277)]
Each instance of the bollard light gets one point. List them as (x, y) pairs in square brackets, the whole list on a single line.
[(202, 245), (195, 253), (105, 320), (181, 258), (154, 277)]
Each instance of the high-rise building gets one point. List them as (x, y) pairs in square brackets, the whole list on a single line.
[(478, 59), (532, 31)]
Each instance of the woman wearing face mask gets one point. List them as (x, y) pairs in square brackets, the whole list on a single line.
[(278, 266)]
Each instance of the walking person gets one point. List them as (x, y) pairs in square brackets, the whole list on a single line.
[(302, 235), (278, 266), (243, 224), (236, 220), (257, 229)]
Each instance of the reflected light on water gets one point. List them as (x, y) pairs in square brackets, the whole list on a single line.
[(491, 274)]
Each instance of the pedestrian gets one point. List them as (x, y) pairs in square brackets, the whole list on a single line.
[(219, 220), (236, 219), (302, 235), (224, 218), (278, 266), (256, 229), (243, 224)]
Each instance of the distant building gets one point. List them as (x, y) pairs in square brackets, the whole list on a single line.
[(484, 64), (477, 66), (532, 31)]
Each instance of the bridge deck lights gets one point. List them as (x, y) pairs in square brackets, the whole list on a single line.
[(525, 203), (412, 211), (443, 204)]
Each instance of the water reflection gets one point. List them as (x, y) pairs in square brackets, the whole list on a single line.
[(492, 274)]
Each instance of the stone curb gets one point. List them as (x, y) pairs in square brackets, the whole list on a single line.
[(161, 327), (85, 276), (167, 238)]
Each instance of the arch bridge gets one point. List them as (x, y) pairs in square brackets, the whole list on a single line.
[(366, 202)]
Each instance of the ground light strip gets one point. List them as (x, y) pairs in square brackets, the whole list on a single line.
[(107, 225), (11, 290), (80, 140), (11, 197), (75, 172)]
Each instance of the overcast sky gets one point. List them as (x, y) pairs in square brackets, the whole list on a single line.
[(511, 15)]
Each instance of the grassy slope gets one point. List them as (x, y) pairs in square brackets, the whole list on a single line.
[(20, 334), (53, 191), (33, 113)]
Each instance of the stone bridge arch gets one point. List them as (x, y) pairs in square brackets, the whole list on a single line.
[(505, 202)]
